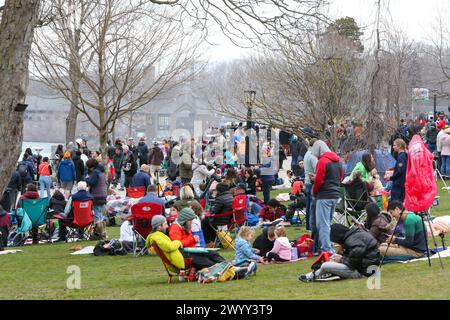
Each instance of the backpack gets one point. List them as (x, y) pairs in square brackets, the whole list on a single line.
[(323, 257), (220, 272), (109, 248), (23, 170), (305, 246), (225, 239)]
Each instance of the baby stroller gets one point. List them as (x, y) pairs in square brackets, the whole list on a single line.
[(297, 207)]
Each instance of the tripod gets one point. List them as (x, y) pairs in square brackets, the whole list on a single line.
[(423, 215), (439, 175), (158, 185)]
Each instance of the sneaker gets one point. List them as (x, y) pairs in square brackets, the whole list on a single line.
[(309, 277), (327, 277)]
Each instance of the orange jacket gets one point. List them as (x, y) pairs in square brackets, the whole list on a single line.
[(176, 232)]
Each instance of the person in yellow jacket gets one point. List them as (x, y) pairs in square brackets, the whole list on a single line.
[(168, 247)]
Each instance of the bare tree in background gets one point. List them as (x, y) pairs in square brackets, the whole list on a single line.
[(441, 48), (301, 86), (124, 55)]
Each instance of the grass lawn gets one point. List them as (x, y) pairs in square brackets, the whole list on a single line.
[(40, 272)]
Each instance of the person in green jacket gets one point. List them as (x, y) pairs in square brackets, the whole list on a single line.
[(168, 247), (365, 167)]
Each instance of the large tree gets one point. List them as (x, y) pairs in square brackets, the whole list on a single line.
[(19, 18)]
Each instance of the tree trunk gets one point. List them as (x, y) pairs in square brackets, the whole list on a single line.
[(16, 36), (71, 123)]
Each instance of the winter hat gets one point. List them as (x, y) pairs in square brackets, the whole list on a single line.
[(338, 232), (79, 141), (186, 215), (242, 186), (157, 221), (319, 148)]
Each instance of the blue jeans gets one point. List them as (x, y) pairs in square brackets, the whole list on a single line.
[(255, 208), (445, 165), (324, 216), (313, 225), (308, 190), (45, 183), (98, 213), (432, 147), (266, 188)]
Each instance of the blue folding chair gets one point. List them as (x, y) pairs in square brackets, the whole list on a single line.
[(36, 209)]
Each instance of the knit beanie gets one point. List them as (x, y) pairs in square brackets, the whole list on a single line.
[(338, 232), (157, 221), (185, 215)]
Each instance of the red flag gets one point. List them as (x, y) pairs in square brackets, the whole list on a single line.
[(420, 186)]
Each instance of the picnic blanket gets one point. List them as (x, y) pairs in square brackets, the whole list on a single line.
[(86, 250), (10, 251), (118, 206), (444, 254)]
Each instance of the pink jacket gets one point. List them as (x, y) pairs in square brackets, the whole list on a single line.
[(282, 247)]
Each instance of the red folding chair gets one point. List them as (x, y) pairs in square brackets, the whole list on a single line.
[(240, 210), (170, 268), (141, 219), (135, 192), (83, 219)]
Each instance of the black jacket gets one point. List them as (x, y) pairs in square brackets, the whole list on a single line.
[(263, 244), (223, 203), (251, 185), (432, 135), (129, 162), (360, 251), (79, 168), (16, 182), (143, 153), (57, 203)]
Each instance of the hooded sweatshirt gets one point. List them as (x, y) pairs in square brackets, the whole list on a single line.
[(328, 173), (200, 174), (282, 247)]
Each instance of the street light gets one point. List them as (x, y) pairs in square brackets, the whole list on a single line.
[(434, 104), (249, 97)]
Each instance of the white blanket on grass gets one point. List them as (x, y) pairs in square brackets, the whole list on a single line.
[(86, 250), (10, 251), (444, 254)]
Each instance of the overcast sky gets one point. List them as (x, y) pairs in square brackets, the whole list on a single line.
[(415, 17)]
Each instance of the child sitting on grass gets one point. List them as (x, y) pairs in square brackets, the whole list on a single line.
[(281, 251), (244, 251)]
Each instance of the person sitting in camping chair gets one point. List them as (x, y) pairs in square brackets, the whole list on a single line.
[(170, 248), (298, 198)]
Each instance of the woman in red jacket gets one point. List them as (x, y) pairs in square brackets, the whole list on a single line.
[(181, 230)]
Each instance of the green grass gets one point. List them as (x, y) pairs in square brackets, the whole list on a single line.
[(40, 272)]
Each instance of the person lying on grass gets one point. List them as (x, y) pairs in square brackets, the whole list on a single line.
[(360, 251), (244, 252), (281, 251)]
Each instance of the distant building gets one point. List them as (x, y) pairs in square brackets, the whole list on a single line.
[(183, 108)]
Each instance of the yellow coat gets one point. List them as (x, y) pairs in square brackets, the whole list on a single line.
[(169, 247)]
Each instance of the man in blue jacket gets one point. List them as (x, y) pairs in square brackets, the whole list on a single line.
[(142, 178)]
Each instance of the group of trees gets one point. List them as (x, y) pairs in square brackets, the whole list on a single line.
[(110, 57)]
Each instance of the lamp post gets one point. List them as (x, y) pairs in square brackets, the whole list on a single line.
[(434, 104), (249, 101)]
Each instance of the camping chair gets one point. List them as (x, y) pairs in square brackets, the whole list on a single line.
[(36, 210), (20, 230), (355, 197), (170, 268), (83, 219), (240, 209), (223, 231), (141, 219), (136, 192)]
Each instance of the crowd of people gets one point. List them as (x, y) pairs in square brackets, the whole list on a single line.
[(205, 187)]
